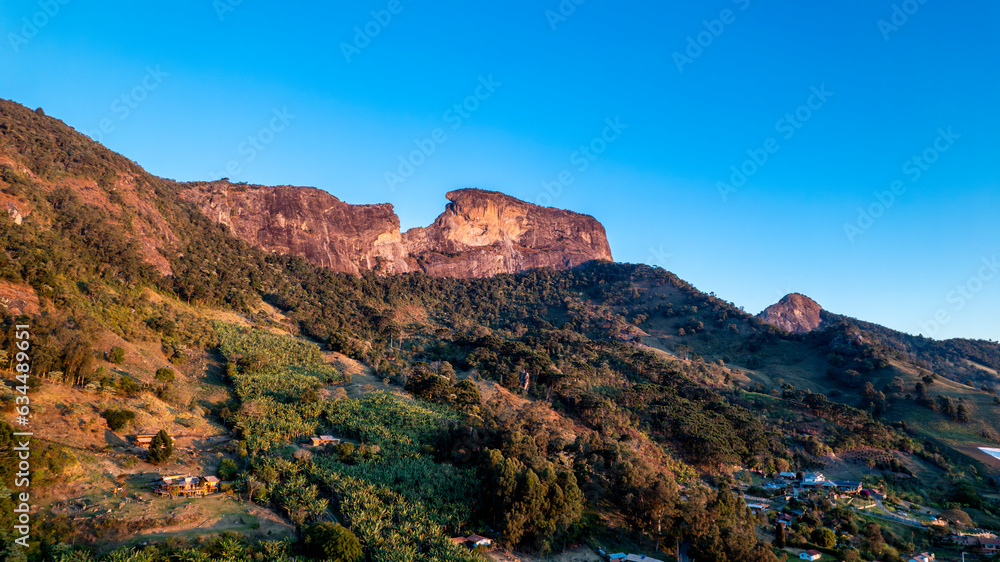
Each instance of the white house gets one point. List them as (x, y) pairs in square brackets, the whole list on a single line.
[(813, 479), (922, 557), (810, 555), (477, 540)]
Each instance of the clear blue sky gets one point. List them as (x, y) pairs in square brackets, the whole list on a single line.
[(220, 74)]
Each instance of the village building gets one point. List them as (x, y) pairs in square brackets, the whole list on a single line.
[(987, 546), (145, 439), (922, 557), (810, 555), (473, 541), (186, 486), (320, 440), (813, 479), (849, 486)]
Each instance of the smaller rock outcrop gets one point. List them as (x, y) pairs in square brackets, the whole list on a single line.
[(796, 313)]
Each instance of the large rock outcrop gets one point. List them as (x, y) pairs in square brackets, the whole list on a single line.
[(796, 313), (480, 233)]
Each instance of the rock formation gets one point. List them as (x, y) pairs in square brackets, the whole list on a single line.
[(795, 313), (480, 233)]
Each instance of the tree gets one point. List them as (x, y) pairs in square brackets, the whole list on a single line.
[(333, 542), (227, 469), (116, 355), (824, 537), (779, 535), (962, 413), (160, 448), (165, 375)]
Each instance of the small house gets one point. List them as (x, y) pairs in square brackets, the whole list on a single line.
[(145, 440), (186, 486), (810, 555), (477, 540), (813, 478), (211, 484), (788, 475), (989, 546), (617, 556), (849, 486), (473, 541), (320, 440), (922, 557)]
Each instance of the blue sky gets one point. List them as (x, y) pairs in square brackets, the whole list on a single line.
[(838, 103)]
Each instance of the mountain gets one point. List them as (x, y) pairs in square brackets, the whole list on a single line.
[(480, 233), (603, 403), (795, 313)]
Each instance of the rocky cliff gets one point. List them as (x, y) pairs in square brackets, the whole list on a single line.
[(795, 313), (480, 233)]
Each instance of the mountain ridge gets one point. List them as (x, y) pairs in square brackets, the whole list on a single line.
[(480, 233)]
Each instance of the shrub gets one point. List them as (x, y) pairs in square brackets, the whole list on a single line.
[(227, 469), (165, 375), (118, 419), (128, 386), (116, 355)]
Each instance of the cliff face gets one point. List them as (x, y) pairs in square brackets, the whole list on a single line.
[(481, 233), (795, 313), (302, 221)]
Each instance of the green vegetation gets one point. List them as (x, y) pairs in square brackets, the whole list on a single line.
[(161, 448), (333, 542), (543, 409), (116, 355), (118, 419)]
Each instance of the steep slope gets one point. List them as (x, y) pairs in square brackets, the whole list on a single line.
[(481, 233), (49, 168), (796, 313)]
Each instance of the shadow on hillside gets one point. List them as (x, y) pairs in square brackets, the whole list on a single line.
[(111, 439)]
